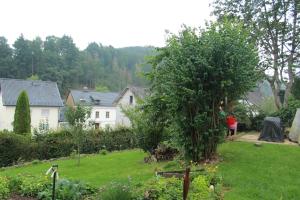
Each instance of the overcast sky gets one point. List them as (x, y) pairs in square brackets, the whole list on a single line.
[(118, 23)]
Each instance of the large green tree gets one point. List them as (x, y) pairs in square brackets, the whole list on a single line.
[(275, 27), (7, 68), (22, 117), (194, 73)]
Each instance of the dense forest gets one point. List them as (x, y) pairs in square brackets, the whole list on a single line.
[(58, 59)]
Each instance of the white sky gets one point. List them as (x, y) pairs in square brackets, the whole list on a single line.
[(118, 23)]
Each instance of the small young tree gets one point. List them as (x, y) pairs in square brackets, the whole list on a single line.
[(194, 73), (77, 118), (22, 118), (148, 123)]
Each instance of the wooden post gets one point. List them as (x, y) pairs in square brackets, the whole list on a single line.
[(186, 183)]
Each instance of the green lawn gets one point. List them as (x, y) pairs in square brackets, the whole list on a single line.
[(268, 172), (97, 169), (263, 173)]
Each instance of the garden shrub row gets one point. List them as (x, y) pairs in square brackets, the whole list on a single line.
[(16, 149), (40, 187), (159, 188)]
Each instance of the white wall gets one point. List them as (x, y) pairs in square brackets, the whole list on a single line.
[(124, 102), (102, 120), (7, 116)]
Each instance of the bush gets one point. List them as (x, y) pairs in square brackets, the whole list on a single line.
[(14, 147), (257, 121), (119, 138), (115, 191), (66, 189), (103, 152), (22, 118), (287, 114), (4, 188), (200, 188), (32, 185), (54, 144)]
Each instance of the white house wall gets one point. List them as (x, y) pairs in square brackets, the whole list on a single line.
[(125, 103), (7, 116), (102, 120)]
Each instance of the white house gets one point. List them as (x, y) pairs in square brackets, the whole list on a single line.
[(106, 106), (44, 101), (127, 98)]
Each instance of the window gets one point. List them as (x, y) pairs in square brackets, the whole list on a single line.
[(130, 100), (45, 113), (97, 125), (107, 114), (97, 114), (44, 125)]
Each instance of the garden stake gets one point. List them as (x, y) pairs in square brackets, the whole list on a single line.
[(53, 188), (54, 175), (186, 183)]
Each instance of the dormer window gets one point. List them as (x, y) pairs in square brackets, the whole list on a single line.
[(97, 102), (130, 99)]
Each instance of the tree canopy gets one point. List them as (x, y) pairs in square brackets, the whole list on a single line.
[(194, 73), (58, 59), (275, 26)]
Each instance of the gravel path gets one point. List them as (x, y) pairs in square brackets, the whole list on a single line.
[(253, 137)]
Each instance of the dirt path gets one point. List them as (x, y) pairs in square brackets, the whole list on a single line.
[(253, 137)]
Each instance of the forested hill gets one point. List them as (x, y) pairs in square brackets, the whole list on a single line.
[(58, 59)]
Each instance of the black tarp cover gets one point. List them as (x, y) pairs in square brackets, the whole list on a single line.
[(272, 130)]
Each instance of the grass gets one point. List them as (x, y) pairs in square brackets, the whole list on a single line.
[(96, 169), (267, 172)]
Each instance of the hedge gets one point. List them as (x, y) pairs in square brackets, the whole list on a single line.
[(17, 148)]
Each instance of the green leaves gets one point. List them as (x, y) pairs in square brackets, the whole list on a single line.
[(195, 72), (22, 117)]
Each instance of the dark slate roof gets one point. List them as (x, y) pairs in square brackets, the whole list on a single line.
[(139, 92), (40, 93), (90, 97)]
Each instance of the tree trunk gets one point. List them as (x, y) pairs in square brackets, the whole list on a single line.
[(275, 92), (78, 155)]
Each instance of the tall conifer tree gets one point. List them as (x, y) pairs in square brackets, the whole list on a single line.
[(22, 118)]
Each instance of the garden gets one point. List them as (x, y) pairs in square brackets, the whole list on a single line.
[(176, 147)]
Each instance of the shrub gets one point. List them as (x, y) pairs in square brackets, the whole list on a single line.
[(22, 118), (32, 185), (103, 152), (288, 113), (119, 138), (115, 191), (257, 121), (14, 147), (4, 188), (54, 144), (66, 189), (200, 188), (161, 188)]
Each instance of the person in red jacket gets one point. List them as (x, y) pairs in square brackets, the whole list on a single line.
[(231, 124)]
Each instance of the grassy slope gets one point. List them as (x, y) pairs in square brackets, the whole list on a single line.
[(97, 169), (267, 172)]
